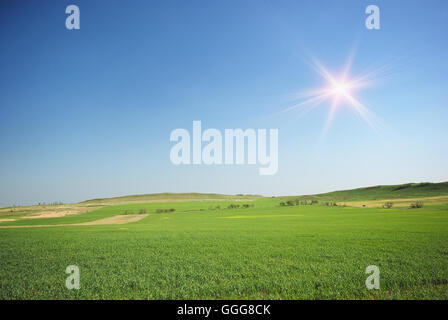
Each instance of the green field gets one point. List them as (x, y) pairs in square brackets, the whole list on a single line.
[(266, 251)]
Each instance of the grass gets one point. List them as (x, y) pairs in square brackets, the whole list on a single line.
[(261, 252)]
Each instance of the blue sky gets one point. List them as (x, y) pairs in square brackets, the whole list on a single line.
[(88, 113)]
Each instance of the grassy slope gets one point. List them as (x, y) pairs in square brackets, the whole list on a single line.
[(168, 197), (402, 191)]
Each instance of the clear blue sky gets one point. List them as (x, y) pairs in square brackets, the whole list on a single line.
[(88, 113)]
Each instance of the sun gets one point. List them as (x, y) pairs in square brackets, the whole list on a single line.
[(340, 90)]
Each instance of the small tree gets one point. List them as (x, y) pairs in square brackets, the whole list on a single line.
[(388, 205), (417, 205)]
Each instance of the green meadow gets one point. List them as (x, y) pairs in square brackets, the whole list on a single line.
[(205, 250)]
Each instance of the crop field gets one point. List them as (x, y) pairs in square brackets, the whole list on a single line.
[(258, 249)]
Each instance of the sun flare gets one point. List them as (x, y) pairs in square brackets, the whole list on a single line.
[(339, 91)]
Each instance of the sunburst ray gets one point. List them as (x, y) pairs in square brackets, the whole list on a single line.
[(340, 90)]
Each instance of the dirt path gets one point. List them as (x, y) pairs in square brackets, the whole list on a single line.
[(119, 219)]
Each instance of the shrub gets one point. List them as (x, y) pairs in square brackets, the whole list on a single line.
[(142, 211), (165, 210), (245, 206), (388, 205), (290, 203), (282, 204), (417, 205), (330, 204)]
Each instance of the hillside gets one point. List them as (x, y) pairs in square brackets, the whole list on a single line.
[(169, 197), (401, 191)]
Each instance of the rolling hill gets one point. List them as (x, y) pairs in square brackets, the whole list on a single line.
[(169, 197), (401, 191)]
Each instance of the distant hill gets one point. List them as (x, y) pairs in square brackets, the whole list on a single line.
[(168, 197), (403, 191)]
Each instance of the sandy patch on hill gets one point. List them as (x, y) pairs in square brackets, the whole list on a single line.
[(120, 219), (398, 203), (5, 220), (51, 214)]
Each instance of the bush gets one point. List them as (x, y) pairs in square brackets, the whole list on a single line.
[(233, 206), (330, 204), (417, 205), (290, 203), (245, 206), (165, 210), (388, 205)]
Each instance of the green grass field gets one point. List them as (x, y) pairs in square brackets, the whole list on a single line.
[(261, 252)]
